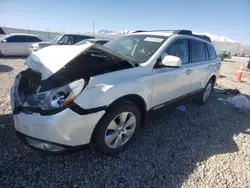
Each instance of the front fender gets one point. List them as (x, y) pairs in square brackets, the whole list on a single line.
[(104, 95)]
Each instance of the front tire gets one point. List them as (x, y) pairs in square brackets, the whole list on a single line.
[(118, 128)]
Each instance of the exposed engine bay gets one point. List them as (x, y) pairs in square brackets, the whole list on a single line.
[(63, 86)]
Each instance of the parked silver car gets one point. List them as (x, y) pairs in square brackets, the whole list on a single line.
[(18, 44), (65, 39)]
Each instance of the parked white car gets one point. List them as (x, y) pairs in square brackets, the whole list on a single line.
[(18, 44), (64, 39), (75, 95)]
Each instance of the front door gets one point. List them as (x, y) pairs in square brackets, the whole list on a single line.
[(172, 83), (14, 45)]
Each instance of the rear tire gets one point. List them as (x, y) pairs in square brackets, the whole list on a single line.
[(205, 94), (113, 132)]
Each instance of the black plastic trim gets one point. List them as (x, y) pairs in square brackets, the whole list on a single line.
[(73, 106), (177, 100), (76, 108)]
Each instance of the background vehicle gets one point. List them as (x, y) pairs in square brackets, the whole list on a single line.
[(18, 44), (97, 41), (224, 54), (65, 39), (102, 94)]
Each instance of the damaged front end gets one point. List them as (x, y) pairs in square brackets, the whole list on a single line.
[(57, 75), (28, 94)]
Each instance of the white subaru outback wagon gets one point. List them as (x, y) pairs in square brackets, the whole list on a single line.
[(75, 95)]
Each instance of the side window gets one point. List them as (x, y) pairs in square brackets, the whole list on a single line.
[(32, 39), (64, 40), (179, 48), (207, 54), (211, 51), (67, 39), (198, 51), (35, 39), (80, 38), (101, 42), (16, 39)]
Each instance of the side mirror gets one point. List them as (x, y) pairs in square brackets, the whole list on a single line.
[(171, 61), (4, 41)]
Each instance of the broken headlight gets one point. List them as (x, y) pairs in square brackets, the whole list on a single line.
[(57, 97)]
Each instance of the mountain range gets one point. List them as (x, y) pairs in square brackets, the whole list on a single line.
[(221, 42)]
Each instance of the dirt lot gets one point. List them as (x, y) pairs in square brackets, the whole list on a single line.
[(207, 146)]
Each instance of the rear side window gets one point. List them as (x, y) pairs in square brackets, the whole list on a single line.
[(179, 48), (32, 39), (79, 38), (207, 54), (101, 42), (198, 51), (2, 31), (211, 51), (17, 38)]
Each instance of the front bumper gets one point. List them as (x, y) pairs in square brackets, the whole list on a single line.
[(67, 127), (33, 49)]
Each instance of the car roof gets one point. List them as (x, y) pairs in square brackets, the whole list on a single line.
[(76, 34), (168, 33), (156, 33), (23, 34)]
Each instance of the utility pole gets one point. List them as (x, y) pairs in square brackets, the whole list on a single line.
[(93, 28)]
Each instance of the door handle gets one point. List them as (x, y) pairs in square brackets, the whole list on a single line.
[(188, 71)]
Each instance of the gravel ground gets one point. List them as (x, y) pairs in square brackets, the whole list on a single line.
[(207, 146)]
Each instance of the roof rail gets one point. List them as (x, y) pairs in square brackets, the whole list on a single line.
[(138, 31), (204, 37), (181, 32)]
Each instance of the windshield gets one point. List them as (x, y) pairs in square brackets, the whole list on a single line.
[(138, 48), (57, 38)]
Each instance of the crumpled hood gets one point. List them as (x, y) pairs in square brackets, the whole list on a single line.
[(51, 59)]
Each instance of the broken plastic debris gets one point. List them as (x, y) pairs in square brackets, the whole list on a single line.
[(181, 108), (239, 101)]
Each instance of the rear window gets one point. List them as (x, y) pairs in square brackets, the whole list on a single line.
[(211, 51), (198, 51)]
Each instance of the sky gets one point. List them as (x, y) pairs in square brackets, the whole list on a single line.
[(229, 18)]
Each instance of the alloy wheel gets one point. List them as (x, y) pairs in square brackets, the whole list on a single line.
[(120, 129)]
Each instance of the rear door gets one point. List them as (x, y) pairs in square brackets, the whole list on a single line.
[(198, 64), (201, 63), (169, 82), (28, 41)]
